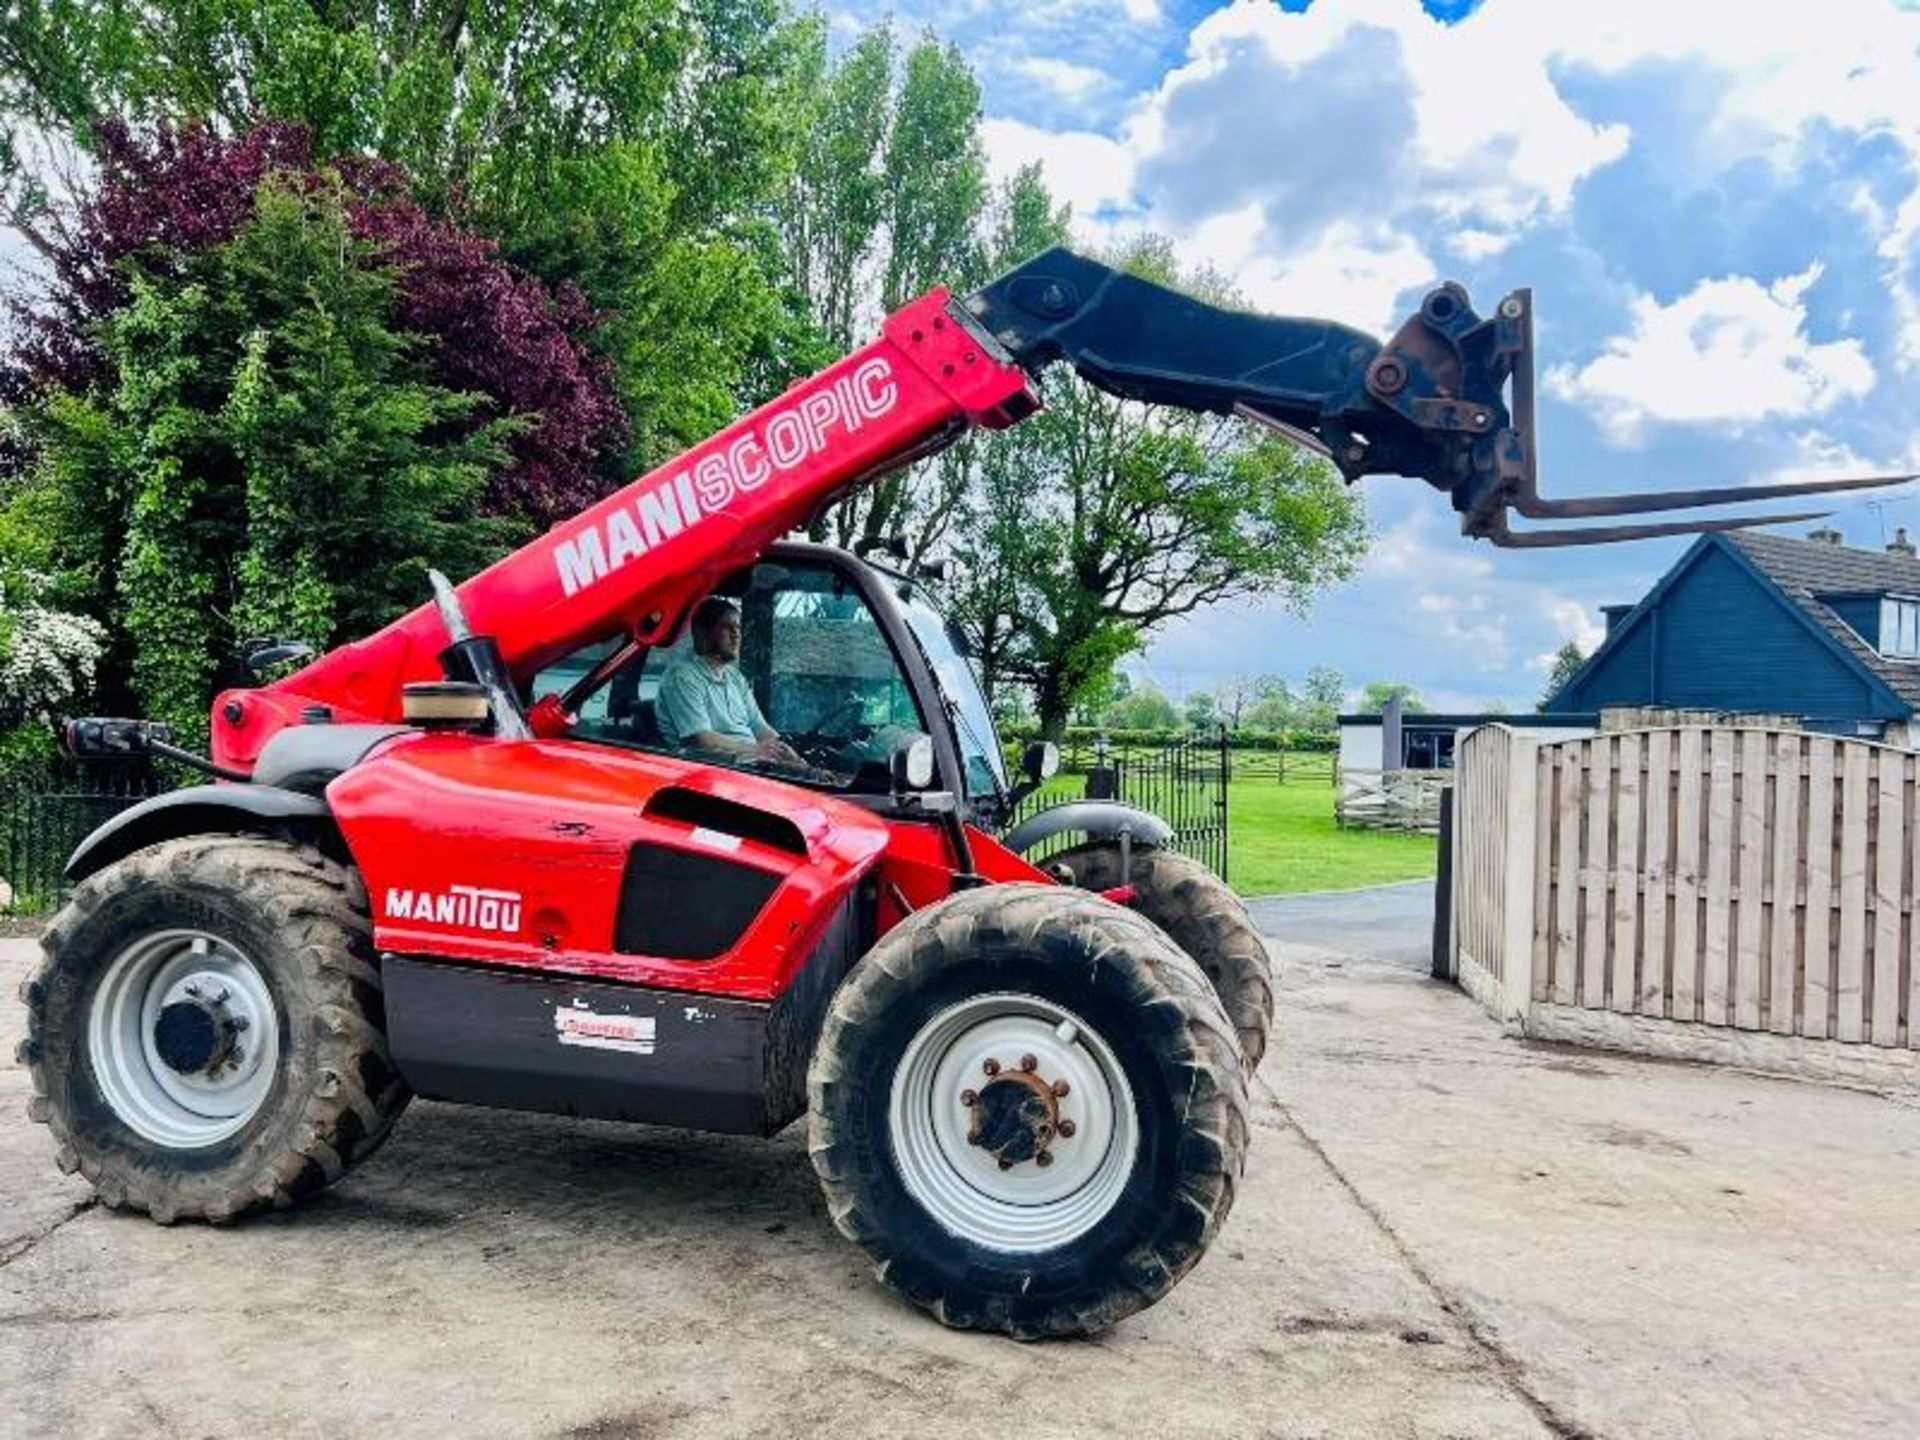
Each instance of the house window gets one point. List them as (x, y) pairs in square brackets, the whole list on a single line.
[(1900, 628)]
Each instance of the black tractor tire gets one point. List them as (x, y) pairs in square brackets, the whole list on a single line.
[(301, 921), (1143, 1004), (1204, 917)]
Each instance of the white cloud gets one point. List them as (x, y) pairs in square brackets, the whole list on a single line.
[(1730, 351), (1071, 82), (1366, 136), (1410, 549), (1813, 454), (1373, 99), (1091, 172), (1466, 622), (1576, 622), (1899, 250)]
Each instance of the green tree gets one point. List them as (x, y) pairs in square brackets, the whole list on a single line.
[(1567, 661), (1100, 697), (1202, 711), (1098, 520), (1375, 697), (890, 198), (266, 459), (624, 145), (1273, 708), (1144, 708), (1321, 700)]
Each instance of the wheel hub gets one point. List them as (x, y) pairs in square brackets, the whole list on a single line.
[(183, 1038), (199, 1033), (1017, 1114)]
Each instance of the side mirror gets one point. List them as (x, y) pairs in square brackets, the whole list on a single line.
[(913, 765), (1041, 761), (270, 651), (101, 738)]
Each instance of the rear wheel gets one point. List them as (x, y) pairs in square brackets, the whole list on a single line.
[(1028, 1108), (205, 1029), (1204, 917)]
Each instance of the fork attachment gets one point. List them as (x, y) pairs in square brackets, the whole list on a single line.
[(1449, 399)]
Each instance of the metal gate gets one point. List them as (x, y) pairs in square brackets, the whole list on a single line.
[(43, 820), (1183, 782)]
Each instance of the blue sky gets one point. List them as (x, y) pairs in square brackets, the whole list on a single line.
[(1716, 202)]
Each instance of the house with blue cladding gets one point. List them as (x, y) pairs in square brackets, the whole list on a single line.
[(1770, 624)]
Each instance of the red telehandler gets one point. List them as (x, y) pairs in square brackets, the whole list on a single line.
[(473, 857)]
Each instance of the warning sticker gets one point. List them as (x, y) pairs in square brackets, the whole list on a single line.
[(582, 1026)]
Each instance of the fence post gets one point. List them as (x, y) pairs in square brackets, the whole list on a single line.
[(1226, 778), (1516, 943), (1445, 964)]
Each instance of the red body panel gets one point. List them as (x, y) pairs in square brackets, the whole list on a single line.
[(516, 854), (639, 557), (918, 867)]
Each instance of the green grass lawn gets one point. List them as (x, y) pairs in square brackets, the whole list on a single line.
[(1284, 840)]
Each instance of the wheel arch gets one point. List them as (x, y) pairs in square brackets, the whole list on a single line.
[(1096, 819), (234, 809)]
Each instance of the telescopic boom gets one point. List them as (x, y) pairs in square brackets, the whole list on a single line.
[(1449, 399)]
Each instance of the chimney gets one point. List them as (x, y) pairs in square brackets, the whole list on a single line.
[(1900, 545), (1615, 614), (1825, 535)]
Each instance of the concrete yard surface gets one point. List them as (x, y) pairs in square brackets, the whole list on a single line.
[(1442, 1232)]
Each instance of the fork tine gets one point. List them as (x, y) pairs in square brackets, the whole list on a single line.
[(1499, 534), (1538, 507)]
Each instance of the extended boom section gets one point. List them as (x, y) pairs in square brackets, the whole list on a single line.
[(1449, 398)]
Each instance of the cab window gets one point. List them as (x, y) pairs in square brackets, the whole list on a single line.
[(819, 669)]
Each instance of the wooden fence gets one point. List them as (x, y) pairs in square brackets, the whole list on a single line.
[(1390, 799), (1751, 879)]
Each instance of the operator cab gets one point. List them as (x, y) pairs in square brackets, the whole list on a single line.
[(846, 663)]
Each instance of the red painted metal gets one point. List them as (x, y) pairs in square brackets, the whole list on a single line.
[(550, 823), (544, 827), (637, 559)]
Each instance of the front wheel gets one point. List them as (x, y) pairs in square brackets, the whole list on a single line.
[(1028, 1108), (204, 1032)]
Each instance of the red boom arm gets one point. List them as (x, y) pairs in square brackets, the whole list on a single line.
[(1430, 403), (638, 558)]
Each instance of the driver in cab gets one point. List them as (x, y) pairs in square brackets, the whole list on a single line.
[(705, 702)]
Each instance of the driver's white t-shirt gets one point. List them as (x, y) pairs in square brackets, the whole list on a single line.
[(695, 698)]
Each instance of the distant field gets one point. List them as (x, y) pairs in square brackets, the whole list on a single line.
[(1283, 840)]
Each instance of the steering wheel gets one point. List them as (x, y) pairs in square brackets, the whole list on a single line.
[(822, 742)]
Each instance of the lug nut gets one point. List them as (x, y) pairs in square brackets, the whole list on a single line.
[(1006, 1164), (240, 1022), (236, 1057), (1061, 1089), (992, 1067), (1043, 1159), (969, 1099), (194, 991), (1067, 1127), (973, 1139), (1029, 1064)]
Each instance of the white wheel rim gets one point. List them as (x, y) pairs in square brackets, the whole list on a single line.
[(188, 1108), (1028, 1207)]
